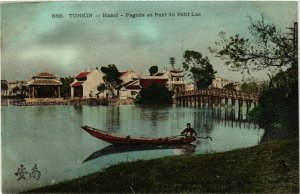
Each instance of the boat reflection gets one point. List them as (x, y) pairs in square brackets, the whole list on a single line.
[(115, 149)]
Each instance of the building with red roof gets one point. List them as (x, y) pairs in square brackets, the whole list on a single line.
[(85, 84), (146, 82)]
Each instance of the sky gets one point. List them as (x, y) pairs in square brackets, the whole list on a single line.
[(33, 40)]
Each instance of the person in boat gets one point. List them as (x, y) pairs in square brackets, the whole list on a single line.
[(189, 131)]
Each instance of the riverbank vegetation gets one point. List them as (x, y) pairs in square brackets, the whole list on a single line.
[(262, 168), (65, 89), (154, 95)]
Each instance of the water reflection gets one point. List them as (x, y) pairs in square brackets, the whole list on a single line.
[(116, 149), (78, 108), (206, 119), (113, 118), (154, 114)]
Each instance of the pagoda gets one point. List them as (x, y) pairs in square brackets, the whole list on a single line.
[(44, 85), (176, 82)]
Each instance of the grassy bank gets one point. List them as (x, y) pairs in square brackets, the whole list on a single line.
[(272, 167)]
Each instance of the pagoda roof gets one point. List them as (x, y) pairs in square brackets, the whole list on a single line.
[(44, 82), (45, 75), (177, 74), (176, 70), (159, 74)]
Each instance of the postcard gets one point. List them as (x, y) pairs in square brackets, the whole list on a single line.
[(149, 97)]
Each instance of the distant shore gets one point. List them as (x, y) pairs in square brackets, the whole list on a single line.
[(61, 101), (271, 167)]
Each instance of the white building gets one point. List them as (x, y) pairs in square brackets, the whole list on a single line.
[(130, 85), (175, 79), (130, 90), (86, 83), (190, 86), (219, 82)]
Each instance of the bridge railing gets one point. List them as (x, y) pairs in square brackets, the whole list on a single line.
[(222, 93)]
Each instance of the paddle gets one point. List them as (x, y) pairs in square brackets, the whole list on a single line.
[(208, 137)]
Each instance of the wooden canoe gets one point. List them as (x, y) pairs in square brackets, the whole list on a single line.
[(114, 138)]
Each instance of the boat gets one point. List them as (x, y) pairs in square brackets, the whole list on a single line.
[(114, 138)]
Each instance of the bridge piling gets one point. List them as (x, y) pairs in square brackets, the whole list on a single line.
[(233, 103), (248, 104)]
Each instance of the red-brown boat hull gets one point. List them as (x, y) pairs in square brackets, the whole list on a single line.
[(126, 140)]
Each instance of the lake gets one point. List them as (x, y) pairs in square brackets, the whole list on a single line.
[(50, 139)]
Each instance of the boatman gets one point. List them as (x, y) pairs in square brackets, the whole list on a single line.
[(189, 131)]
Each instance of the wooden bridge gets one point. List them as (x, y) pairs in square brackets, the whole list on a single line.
[(215, 97)]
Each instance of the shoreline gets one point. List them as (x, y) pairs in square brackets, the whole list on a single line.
[(67, 101), (268, 167)]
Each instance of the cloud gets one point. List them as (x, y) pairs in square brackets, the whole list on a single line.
[(33, 41)]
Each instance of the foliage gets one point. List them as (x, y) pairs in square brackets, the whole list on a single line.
[(201, 69), (154, 95), (65, 89), (101, 88), (153, 70), (254, 114), (229, 86), (249, 87), (280, 102), (267, 48), (111, 78), (263, 86), (285, 80), (172, 61), (15, 89), (4, 85)]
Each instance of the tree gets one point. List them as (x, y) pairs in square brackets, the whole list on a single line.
[(24, 89), (101, 88), (111, 78), (279, 102), (65, 89), (172, 61), (15, 89), (249, 87), (229, 86), (267, 48), (4, 85), (154, 95), (153, 70), (201, 69)]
